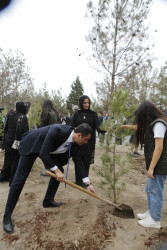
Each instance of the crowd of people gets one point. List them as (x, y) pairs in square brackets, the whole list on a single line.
[(59, 138)]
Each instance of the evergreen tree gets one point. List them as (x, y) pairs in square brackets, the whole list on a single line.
[(34, 119), (59, 101), (76, 91), (114, 165), (118, 39)]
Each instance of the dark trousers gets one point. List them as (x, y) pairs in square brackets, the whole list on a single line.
[(82, 160), (6, 170), (14, 165), (24, 167)]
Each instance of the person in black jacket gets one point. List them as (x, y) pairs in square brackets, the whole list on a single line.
[(52, 144), (86, 153), (49, 114), (13, 131)]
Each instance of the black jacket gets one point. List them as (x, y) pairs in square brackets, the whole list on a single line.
[(91, 118), (10, 129), (149, 146)]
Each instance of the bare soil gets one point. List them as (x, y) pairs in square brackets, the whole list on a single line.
[(82, 222)]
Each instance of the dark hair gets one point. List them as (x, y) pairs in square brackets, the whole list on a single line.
[(22, 107), (146, 113), (129, 118), (84, 129), (46, 108), (81, 100)]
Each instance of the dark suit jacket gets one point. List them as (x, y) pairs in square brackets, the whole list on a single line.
[(47, 139), (44, 140)]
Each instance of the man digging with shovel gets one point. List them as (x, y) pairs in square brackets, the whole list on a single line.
[(54, 145)]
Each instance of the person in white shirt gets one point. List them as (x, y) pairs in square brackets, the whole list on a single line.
[(151, 125)]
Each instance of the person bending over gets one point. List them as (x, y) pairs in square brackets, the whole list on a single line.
[(51, 144)]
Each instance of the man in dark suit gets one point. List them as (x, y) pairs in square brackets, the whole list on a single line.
[(51, 144)]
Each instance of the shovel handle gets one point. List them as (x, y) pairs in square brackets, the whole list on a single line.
[(83, 190)]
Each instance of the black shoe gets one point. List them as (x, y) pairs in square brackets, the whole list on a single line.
[(7, 224), (136, 153), (50, 203), (4, 179), (43, 174)]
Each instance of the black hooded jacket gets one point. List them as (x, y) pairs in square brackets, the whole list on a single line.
[(87, 116), (11, 124)]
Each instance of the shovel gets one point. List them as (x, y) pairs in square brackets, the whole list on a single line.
[(121, 210)]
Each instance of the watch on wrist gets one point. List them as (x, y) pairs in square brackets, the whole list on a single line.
[(87, 185)]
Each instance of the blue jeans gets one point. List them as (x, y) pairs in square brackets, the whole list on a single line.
[(154, 190)]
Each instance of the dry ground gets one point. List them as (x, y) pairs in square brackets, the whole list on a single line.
[(82, 222)]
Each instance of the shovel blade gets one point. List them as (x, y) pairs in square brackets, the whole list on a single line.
[(124, 211)]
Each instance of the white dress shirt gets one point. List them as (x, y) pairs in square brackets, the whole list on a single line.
[(62, 149)]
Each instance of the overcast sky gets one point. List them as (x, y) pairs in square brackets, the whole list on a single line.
[(52, 38), (158, 21)]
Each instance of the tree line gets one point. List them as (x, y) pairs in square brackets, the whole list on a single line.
[(120, 53)]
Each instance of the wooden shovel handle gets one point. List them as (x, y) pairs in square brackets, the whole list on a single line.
[(83, 190)]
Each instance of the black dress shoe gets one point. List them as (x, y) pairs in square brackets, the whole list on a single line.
[(3, 180), (7, 224), (52, 203)]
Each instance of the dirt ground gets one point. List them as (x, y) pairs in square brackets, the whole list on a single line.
[(82, 222)]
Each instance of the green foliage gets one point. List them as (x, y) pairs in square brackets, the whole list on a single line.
[(59, 101), (1, 129), (113, 164), (2, 124), (76, 92), (34, 115)]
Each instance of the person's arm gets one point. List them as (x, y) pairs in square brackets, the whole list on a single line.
[(88, 184), (156, 155), (49, 144), (130, 126), (73, 120), (98, 123), (25, 126)]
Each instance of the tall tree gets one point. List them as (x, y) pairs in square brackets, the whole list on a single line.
[(16, 82), (138, 81), (118, 38), (4, 78), (159, 88), (76, 91), (43, 93), (59, 101)]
